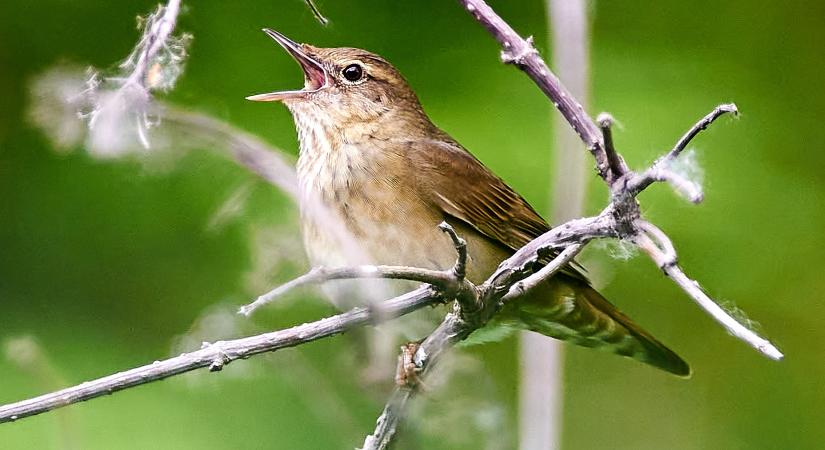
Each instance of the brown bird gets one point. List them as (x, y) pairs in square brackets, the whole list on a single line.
[(370, 154)]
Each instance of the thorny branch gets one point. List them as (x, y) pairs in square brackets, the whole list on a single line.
[(473, 305)]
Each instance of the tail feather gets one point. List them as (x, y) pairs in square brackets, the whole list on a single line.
[(570, 310)]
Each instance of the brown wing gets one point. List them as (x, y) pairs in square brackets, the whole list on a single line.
[(482, 200), (567, 309)]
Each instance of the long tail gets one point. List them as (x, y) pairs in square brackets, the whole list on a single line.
[(569, 309)]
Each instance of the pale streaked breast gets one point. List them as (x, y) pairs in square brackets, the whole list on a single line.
[(360, 205)]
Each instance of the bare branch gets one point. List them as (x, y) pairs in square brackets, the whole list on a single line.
[(452, 330), (154, 64), (218, 354), (655, 172), (455, 327), (387, 423), (528, 284), (658, 246), (521, 53), (464, 292), (450, 281), (459, 324), (688, 188), (701, 125)]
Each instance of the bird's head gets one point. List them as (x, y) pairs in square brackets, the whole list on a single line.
[(345, 85)]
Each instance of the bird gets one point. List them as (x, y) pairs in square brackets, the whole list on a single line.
[(371, 155)]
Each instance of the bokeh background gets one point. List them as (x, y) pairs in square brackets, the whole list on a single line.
[(109, 264)]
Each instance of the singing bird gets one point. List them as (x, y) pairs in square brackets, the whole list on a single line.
[(370, 154)]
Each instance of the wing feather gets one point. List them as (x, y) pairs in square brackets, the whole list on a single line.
[(486, 203), (482, 200)]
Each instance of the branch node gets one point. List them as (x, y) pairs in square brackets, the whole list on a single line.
[(221, 357), (518, 56), (615, 163)]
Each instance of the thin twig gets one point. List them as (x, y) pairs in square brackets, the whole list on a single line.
[(463, 291), (438, 278), (317, 12), (688, 188), (528, 284), (701, 125), (452, 330), (460, 267), (387, 423), (658, 246), (449, 281), (248, 151), (521, 52), (653, 173)]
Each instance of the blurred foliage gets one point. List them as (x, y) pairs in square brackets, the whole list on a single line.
[(106, 264)]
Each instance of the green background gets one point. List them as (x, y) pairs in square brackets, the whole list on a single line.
[(104, 264)]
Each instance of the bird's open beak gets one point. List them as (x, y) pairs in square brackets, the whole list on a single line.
[(315, 77)]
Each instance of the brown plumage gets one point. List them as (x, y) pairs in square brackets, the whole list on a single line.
[(371, 156)]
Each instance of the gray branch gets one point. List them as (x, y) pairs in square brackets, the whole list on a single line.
[(215, 356), (658, 246), (521, 53)]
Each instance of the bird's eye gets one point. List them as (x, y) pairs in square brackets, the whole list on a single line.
[(353, 72)]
